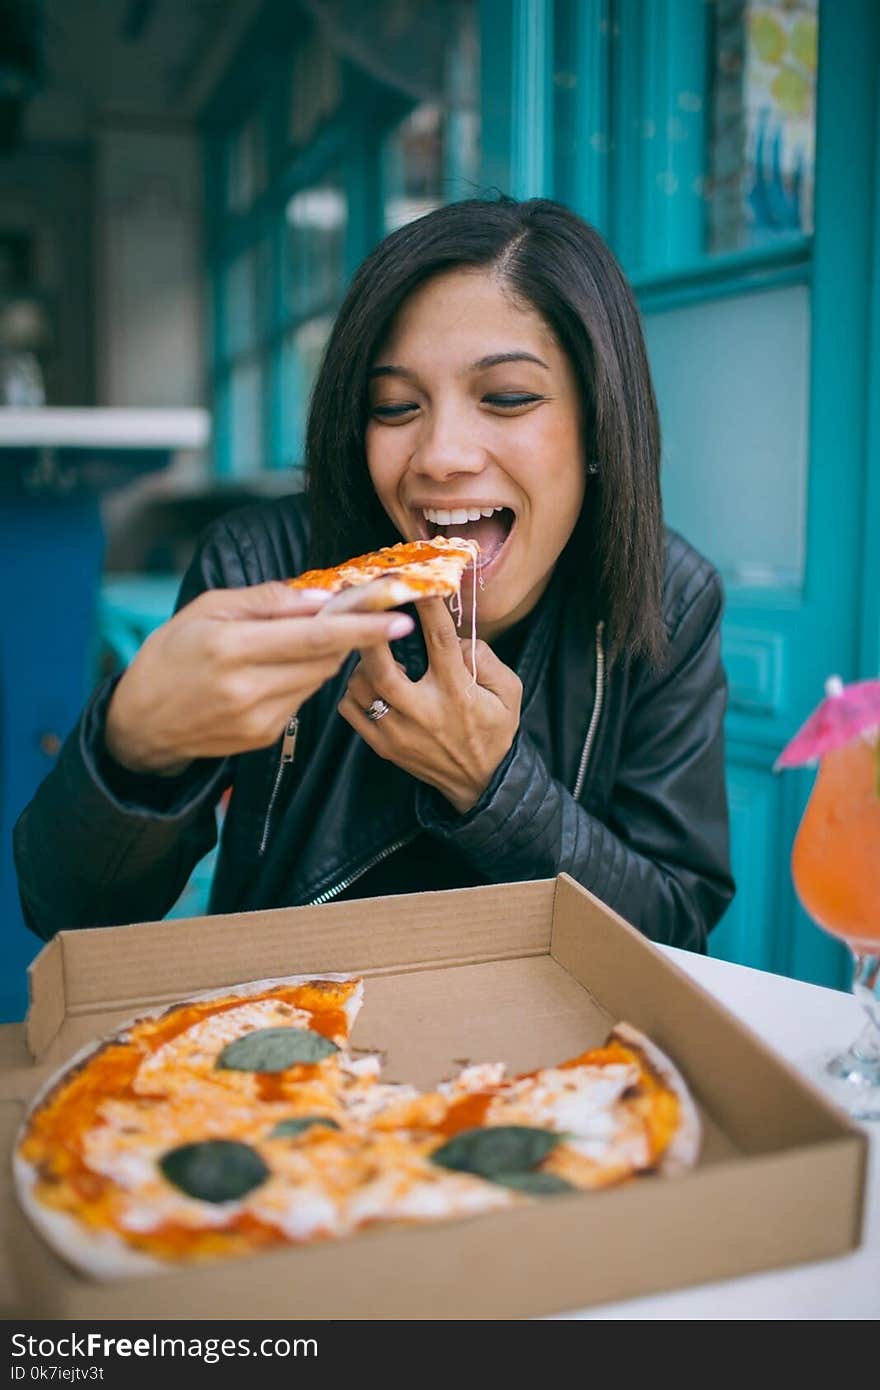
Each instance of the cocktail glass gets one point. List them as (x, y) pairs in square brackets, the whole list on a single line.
[(835, 865)]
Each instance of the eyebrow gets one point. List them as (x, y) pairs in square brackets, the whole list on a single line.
[(495, 359)]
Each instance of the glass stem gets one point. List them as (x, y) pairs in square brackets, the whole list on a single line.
[(866, 988)]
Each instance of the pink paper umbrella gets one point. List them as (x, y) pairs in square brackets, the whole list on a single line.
[(846, 712)]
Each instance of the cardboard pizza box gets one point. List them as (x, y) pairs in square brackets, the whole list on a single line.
[(528, 974)]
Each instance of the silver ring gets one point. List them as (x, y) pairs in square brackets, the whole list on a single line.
[(377, 710)]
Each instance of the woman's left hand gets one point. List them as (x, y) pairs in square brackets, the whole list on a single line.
[(443, 729)]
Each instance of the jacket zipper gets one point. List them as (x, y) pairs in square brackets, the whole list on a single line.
[(598, 699), (597, 710), (364, 869), (288, 749)]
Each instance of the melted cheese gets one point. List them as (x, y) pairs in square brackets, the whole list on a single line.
[(340, 1182), (574, 1100), (185, 1063)]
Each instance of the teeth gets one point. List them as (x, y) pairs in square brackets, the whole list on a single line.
[(457, 516)]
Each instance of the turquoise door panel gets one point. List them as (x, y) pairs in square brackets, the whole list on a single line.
[(771, 467), (765, 353), (733, 380)]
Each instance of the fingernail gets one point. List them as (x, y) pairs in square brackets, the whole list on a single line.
[(400, 626), (314, 595)]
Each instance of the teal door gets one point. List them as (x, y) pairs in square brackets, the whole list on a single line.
[(762, 361), (728, 150)]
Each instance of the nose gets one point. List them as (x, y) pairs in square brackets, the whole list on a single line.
[(447, 447)]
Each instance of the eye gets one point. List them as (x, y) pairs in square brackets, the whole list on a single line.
[(392, 413), (511, 400)]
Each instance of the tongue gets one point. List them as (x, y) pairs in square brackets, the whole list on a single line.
[(490, 533)]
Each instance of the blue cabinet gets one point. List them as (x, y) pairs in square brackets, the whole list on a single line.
[(54, 466)]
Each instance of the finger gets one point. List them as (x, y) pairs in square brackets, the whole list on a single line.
[(386, 676), (373, 597), (360, 687), (274, 599), (370, 730), (308, 638), (441, 640), (492, 674), (291, 684), (359, 669)]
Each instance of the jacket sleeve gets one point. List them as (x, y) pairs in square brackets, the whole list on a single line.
[(99, 846), (660, 857)]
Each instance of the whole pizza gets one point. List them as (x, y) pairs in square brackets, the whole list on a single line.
[(241, 1120)]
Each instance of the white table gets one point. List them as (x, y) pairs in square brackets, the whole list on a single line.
[(796, 1019)]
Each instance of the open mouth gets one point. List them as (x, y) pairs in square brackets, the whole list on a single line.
[(490, 527)]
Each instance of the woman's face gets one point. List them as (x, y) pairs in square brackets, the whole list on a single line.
[(474, 409)]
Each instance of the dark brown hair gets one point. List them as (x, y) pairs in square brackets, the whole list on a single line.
[(557, 263)]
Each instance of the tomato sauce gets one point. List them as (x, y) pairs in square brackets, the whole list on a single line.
[(467, 1113)]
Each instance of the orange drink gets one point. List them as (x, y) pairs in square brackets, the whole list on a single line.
[(836, 856), (835, 864)]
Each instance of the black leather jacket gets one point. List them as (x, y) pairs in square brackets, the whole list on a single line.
[(616, 777)]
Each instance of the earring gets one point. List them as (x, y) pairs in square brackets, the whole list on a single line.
[(593, 468)]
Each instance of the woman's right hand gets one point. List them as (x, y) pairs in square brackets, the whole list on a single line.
[(226, 673)]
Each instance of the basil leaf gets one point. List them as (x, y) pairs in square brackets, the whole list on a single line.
[(286, 1129), (215, 1170), (534, 1182), (274, 1049), (498, 1149)]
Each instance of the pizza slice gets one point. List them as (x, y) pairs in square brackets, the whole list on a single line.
[(396, 574), (620, 1109), (592, 1121)]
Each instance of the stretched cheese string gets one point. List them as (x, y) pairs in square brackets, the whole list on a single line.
[(476, 562), (455, 600), (455, 607)]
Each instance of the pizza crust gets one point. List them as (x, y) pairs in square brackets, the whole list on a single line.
[(101, 1255), (378, 595), (684, 1148)]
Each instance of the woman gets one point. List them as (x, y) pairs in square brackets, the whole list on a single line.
[(487, 359)]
